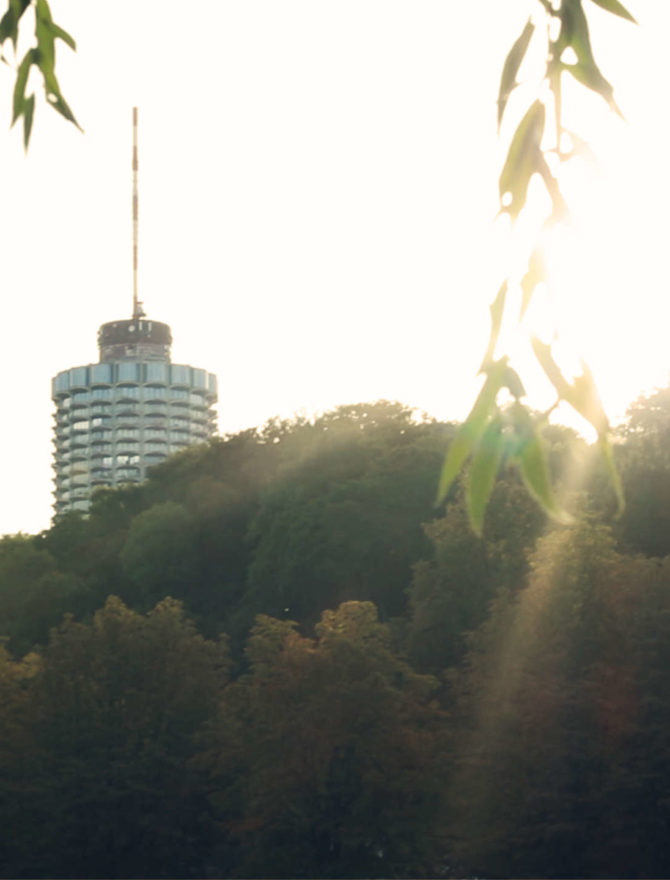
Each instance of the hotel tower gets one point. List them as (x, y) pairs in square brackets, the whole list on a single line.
[(117, 418)]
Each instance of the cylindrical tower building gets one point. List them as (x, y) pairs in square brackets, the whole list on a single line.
[(117, 418)]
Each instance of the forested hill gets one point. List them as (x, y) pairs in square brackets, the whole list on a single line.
[(277, 658)]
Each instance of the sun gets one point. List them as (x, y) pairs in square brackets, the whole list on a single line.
[(605, 297)]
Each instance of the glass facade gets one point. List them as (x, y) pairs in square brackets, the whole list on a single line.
[(117, 418)]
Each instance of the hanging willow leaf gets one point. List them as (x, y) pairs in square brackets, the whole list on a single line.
[(483, 471), (19, 97), (46, 48), (616, 8), (42, 56), (63, 35), (42, 10), (28, 113), (578, 147), (45, 31), (511, 67), (543, 354), (9, 24), (586, 400), (472, 428), (496, 309), (559, 210), (590, 76), (536, 274), (61, 106), (513, 383), (581, 393), (523, 159), (535, 475), (575, 35), (482, 436), (533, 467), (8, 27)]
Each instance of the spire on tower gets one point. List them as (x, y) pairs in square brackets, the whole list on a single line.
[(138, 311)]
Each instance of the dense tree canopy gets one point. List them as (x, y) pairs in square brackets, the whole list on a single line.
[(400, 696), (275, 658)]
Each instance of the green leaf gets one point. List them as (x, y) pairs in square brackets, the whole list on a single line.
[(61, 34), (8, 27), (574, 29), (575, 34), (535, 274), (512, 381), (543, 354), (535, 475), (42, 11), (47, 50), (523, 158), (585, 399), (533, 466), (19, 96), (472, 428), (590, 76), (28, 112), (497, 309), (580, 147), (483, 471), (511, 67), (581, 394), (51, 86), (559, 208), (616, 8), (18, 7), (61, 106), (9, 24)]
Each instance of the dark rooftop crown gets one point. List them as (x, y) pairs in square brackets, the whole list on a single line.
[(134, 339)]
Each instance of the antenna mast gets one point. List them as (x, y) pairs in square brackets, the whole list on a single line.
[(138, 311)]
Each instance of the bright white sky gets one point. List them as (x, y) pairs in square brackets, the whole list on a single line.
[(318, 181)]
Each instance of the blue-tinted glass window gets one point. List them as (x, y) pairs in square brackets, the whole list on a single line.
[(101, 373), (78, 377), (131, 392), (156, 372), (180, 375), (128, 372), (62, 381), (155, 393)]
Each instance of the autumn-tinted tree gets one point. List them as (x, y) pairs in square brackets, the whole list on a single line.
[(325, 757), (563, 766), (115, 707)]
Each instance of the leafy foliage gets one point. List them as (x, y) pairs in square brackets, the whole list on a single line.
[(504, 708), (533, 147), (561, 759), (323, 756), (114, 706), (41, 56)]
